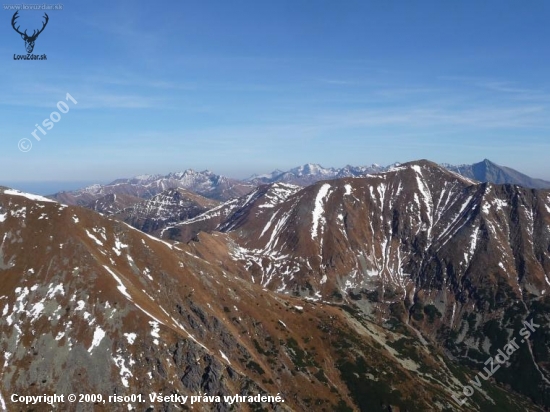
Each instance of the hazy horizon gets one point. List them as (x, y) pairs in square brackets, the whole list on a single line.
[(52, 187)]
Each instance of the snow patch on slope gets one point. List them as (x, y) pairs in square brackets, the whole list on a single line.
[(95, 239), (99, 334), (318, 211), (28, 195)]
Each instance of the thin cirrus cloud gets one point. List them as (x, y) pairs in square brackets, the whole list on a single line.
[(481, 117), (503, 87)]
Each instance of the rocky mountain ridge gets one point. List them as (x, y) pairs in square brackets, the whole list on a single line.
[(205, 183), (460, 261), (443, 262), (168, 207), (99, 307)]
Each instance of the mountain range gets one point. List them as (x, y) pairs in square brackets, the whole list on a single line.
[(312, 173), (221, 188), (387, 291), (204, 183), (461, 262), (153, 203), (100, 307), (484, 171)]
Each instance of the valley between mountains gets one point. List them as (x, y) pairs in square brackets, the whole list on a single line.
[(384, 289)]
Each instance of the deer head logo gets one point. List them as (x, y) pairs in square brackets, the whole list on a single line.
[(29, 40)]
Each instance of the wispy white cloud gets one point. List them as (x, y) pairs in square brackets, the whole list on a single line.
[(476, 117), (506, 89)]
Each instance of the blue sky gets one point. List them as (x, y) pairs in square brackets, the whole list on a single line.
[(242, 87)]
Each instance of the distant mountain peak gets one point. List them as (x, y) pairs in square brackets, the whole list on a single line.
[(310, 169), (146, 177), (488, 171)]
